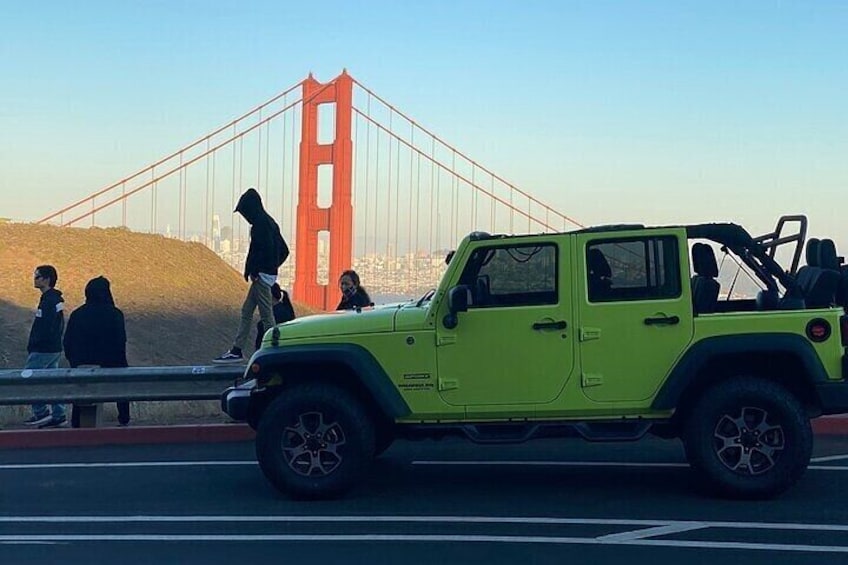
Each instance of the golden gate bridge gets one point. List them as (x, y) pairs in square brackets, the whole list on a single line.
[(351, 179)]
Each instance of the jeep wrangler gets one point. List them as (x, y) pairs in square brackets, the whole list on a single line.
[(607, 333)]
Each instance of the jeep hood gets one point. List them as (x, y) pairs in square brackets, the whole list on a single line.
[(345, 322)]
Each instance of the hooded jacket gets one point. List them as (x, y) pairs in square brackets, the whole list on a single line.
[(46, 333), (267, 249), (96, 334)]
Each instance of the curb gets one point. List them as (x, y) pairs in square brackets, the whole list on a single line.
[(217, 433), (831, 425), (78, 437)]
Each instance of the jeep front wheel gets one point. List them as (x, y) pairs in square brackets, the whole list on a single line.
[(314, 441), (748, 438)]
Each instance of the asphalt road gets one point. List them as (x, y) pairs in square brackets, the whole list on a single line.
[(430, 502)]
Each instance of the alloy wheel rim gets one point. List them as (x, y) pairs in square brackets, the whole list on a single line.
[(311, 446), (748, 443)]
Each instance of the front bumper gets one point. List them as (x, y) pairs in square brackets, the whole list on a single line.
[(235, 400)]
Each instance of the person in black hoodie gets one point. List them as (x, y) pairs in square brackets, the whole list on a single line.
[(268, 250), (96, 335), (354, 296), (45, 341)]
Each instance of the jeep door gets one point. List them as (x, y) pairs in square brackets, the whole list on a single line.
[(514, 344), (635, 311)]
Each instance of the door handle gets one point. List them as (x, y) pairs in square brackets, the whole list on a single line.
[(662, 321), (560, 325)]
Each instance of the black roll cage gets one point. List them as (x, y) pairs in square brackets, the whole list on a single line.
[(758, 252)]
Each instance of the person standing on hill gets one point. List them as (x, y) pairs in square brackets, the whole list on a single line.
[(45, 341), (267, 251), (96, 335)]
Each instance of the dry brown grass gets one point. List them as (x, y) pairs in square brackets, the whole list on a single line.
[(180, 300)]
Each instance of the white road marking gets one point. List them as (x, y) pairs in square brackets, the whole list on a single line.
[(435, 519), (828, 458), (141, 464), (555, 463), (590, 464), (653, 532), (370, 538), (640, 537)]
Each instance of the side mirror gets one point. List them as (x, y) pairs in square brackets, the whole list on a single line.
[(457, 302)]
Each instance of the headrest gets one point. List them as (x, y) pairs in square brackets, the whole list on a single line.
[(813, 252), (827, 255), (704, 261), (598, 265)]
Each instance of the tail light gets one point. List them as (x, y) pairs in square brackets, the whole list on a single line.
[(818, 330), (843, 328)]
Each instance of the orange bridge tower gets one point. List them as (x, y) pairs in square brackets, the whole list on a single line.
[(337, 218)]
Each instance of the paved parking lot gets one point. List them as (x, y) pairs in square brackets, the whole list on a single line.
[(427, 502)]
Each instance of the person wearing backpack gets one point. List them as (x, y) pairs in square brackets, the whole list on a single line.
[(267, 252), (283, 312)]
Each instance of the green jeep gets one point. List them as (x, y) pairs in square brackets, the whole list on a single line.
[(601, 333)]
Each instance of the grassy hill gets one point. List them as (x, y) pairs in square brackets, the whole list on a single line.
[(180, 300)]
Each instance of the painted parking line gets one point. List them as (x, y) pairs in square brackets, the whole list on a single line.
[(457, 463), (828, 458), (646, 533), (509, 463)]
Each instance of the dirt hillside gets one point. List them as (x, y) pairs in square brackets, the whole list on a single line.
[(181, 301)]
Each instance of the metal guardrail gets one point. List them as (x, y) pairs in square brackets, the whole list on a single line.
[(90, 385)]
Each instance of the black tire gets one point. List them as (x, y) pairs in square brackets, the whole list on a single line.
[(384, 438), (257, 407), (315, 440), (748, 438)]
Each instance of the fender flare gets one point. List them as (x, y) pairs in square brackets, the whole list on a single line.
[(367, 371), (686, 371)]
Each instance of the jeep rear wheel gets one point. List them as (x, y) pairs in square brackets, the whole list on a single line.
[(314, 441), (748, 438)]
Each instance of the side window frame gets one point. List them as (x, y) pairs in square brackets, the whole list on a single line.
[(661, 262), (471, 277)]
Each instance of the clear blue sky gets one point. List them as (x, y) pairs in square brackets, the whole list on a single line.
[(660, 112)]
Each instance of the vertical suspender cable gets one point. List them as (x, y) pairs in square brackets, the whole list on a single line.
[(411, 156), (431, 197), (417, 215), (240, 181), (212, 201), (232, 204), (283, 167), (207, 219), (294, 187), (376, 192), (492, 205), (438, 206), (397, 207), (389, 190), (473, 196), (264, 188), (367, 176), (453, 216), (268, 162)]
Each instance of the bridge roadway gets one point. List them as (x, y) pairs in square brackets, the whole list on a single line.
[(431, 503)]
